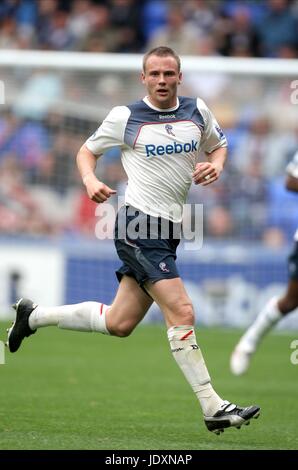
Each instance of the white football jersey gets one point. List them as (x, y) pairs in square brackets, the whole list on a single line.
[(159, 149), (292, 169)]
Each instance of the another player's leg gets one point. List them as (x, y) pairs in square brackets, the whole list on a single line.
[(119, 319), (177, 308), (274, 310)]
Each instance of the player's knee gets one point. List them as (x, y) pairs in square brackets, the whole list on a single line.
[(185, 313), (289, 303), (122, 330)]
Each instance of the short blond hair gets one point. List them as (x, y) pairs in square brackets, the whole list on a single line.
[(162, 51)]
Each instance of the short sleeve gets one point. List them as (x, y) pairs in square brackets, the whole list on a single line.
[(213, 136), (110, 133)]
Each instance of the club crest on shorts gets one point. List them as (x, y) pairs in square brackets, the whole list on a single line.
[(169, 129), (163, 267)]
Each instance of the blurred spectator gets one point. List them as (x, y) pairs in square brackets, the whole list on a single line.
[(207, 86), (8, 33), (84, 215), (58, 170), (19, 213), (59, 35), (27, 141), (39, 93), (46, 11), (7, 8), (154, 17), (178, 33), (80, 19), (274, 237), (102, 37), (248, 195), (125, 17), (219, 223), (262, 146), (257, 8), (201, 14), (287, 51), (26, 13), (279, 27), (240, 37)]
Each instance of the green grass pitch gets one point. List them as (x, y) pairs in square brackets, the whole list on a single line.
[(69, 390)]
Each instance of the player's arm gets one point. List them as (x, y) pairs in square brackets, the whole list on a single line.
[(214, 144), (109, 134), (97, 191), (292, 183), (212, 168)]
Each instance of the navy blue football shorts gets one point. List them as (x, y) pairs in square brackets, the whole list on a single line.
[(146, 245), (293, 263)]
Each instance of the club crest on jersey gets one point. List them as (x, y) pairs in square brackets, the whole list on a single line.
[(169, 129), (163, 267)]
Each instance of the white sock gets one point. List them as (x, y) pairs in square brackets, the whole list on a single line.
[(190, 360), (266, 319), (86, 316)]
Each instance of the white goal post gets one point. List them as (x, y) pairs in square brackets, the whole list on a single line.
[(133, 62)]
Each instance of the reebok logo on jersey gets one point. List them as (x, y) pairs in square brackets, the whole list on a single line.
[(153, 150), (167, 116)]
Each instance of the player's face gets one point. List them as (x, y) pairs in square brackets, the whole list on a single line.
[(161, 78)]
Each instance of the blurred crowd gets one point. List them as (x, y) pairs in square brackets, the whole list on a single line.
[(245, 28), (49, 114)]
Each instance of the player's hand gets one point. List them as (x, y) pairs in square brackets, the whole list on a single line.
[(98, 191), (206, 173)]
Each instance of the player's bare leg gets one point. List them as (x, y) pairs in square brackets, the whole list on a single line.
[(171, 296), (127, 310), (289, 301), (274, 310)]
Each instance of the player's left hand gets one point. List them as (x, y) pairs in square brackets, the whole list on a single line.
[(205, 173)]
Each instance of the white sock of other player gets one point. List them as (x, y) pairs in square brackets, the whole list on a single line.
[(190, 360), (86, 316), (266, 319)]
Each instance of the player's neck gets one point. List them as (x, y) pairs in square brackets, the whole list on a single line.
[(153, 106)]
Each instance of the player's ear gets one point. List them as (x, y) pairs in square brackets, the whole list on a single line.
[(143, 77), (180, 78)]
